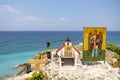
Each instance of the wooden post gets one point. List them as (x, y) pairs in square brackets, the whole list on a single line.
[(60, 62), (48, 51), (75, 62)]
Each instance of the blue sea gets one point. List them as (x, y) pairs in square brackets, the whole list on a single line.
[(16, 47)]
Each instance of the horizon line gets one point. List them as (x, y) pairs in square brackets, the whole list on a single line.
[(45, 30)]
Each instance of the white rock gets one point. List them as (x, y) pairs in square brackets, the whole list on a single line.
[(114, 60)]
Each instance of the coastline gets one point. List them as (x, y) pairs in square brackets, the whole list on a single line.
[(105, 70)]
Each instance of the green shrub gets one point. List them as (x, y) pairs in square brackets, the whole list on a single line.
[(118, 58), (37, 76), (113, 48)]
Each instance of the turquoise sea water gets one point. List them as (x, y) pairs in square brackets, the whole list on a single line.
[(19, 46)]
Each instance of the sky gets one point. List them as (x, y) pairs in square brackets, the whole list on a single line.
[(59, 15)]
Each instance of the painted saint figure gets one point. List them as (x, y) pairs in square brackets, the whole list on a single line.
[(95, 44)]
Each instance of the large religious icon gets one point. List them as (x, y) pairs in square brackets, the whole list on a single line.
[(94, 43)]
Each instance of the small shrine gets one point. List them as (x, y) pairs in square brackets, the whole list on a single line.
[(67, 54)]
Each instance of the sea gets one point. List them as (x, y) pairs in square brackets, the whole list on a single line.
[(16, 47)]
